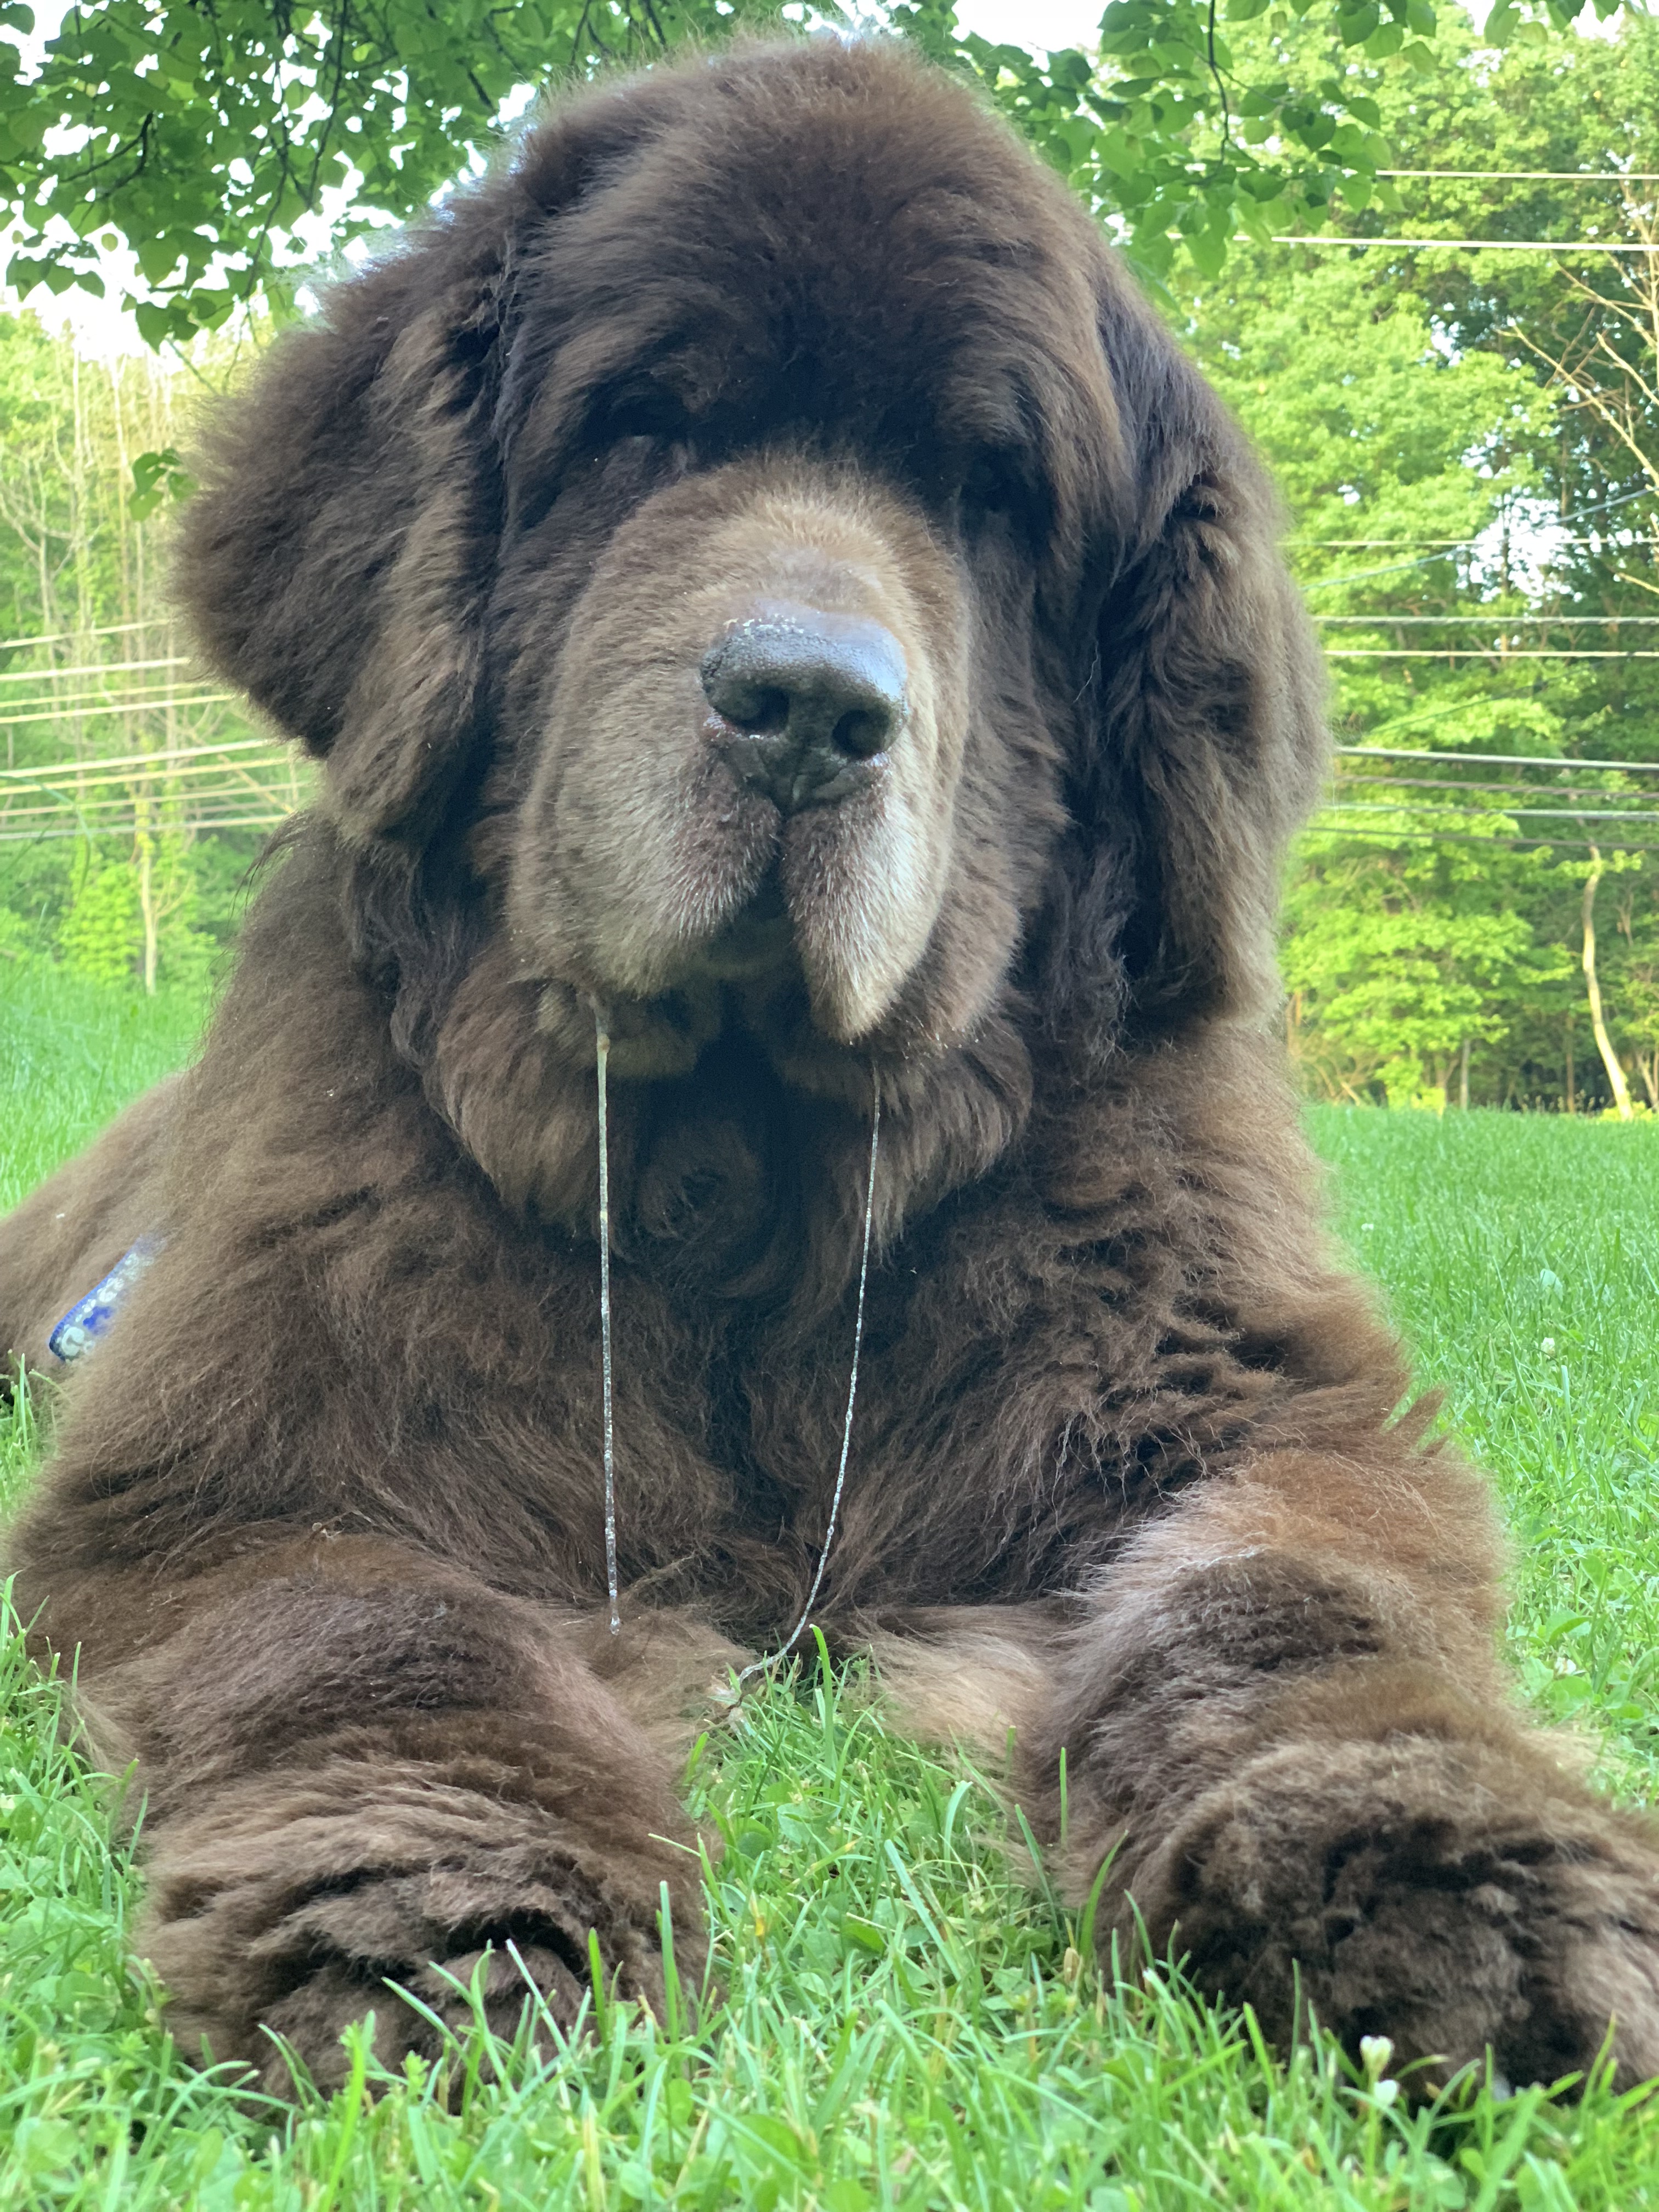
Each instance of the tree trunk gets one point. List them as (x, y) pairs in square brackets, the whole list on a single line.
[(1593, 991), (1463, 1078)]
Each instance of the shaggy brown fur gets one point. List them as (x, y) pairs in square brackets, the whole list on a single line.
[(800, 327)]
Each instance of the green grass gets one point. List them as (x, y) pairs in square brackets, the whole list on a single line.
[(71, 1054), (897, 2021)]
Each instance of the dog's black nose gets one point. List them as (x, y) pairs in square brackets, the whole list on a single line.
[(810, 698)]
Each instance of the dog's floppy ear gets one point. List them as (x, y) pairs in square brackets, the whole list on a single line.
[(1205, 741), (336, 559), (339, 557)]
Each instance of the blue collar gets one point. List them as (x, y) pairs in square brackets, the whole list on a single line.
[(86, 1321)]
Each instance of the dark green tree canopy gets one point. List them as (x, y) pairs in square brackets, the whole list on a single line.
[(201, 134)]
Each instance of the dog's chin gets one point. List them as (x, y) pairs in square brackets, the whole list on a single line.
[(661, 1038), (783, 968)]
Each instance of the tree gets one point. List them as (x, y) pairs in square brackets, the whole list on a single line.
[(208, 139), (101, 778), (1424, 449)]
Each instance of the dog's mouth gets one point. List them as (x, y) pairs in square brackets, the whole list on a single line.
[(757, 944), (747, 984)]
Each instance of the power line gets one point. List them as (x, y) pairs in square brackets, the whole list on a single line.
[(1482, 652), (1386, 545), (145, 759), (66, 709), (86, 713), (194, 795), (1488, 814), (1540, 176), (266, 820), (1326, 583), (1361, 782), (1365, 575), (1493, 621), (1493, 760), (94, 668), (1481, 245), (1461, 837), (1388, 839), (102, 629)]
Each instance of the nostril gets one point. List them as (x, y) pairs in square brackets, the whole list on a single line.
[(771, 712), (760, 710), (862, 732)]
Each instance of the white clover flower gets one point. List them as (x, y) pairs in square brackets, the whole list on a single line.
[(1375, 2052)]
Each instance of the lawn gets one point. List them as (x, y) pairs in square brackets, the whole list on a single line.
[(897, 2020)]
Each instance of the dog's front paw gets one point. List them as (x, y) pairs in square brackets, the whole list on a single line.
[(526, 1926), (1456, 1897), (298, 1932)]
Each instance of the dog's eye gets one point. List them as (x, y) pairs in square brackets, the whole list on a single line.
[(995, 483), (1000, 487), (651, 413)]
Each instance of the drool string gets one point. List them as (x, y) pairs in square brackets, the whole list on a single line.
[(764, 1666), (602, 1052), (601, 1055)]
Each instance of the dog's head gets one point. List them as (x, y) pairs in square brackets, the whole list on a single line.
[(760, 540)]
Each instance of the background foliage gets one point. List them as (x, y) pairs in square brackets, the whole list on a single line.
[(207, 137), (102, 721)]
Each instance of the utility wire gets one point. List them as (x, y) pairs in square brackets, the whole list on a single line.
[(86, 713), (94, 668), (1327, 583), (1483, 652), (144, 759), (1462, 837), (1486, 814), (194, 795), (1493, 760), (102, 629), (1495, 620), (1347, 779), (1479, 245), (1540, 176), (1365, 575), (65, 709), (1386, 545), (265, 821)]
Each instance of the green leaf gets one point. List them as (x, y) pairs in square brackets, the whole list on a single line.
[(1208, 251), (1354, 26), (154, 324), (863, 1935)]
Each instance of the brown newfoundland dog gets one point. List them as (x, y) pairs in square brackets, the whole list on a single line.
[(767, 593)]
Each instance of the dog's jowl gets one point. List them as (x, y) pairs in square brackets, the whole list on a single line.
[(766, 593)]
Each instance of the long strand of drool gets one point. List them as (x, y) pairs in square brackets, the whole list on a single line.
[(601, 1053), (762, 1666)]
